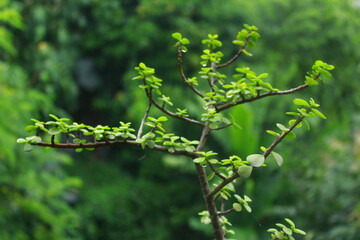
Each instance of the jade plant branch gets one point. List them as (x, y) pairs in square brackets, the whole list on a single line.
[(222, 94)]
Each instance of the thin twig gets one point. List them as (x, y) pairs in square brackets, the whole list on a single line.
[(216, 171), (226, 212), (224, 106), (223, 184), (282, 136), (236, 56), (111, 143), (164, 110), (181, 71), (143, 120)]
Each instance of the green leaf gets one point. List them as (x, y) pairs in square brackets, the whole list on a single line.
[(282, 127), (30, 128), (162, 119), (54, 117), (292, 224), (273, 133), (256, 160), (54, 131), (211, 176), (301, 102), (245, 171), (21, 140), (306, 123), (287, 231), (190, 148), (299, 231), (35, 139), (248, 208), (199, 160), (291, 135), (28, 147), (279, 160), (79, 150), (150, 143), (279, 235), (177, 36), (237, 207), (311, 82), (317, 112)]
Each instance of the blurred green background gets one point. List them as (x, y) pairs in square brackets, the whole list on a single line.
[(76, 58)]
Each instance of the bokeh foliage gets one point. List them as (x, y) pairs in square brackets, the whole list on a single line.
[(78, 57)]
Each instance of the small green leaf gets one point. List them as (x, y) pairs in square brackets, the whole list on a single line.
[(299, 231), (311, 82), (162, 119), (211, 176), (21, 140), (30, 128), (279, 235), (279, 160), (54, 117), (282, 127), (199, 160), (150, 143), (273, 133), (54, 131), (287, 231), (248, 208), (177, 36), (237, 207), (256, 160), (301, 102), (190, 148), (28, 147), (291, 135), (292, 224), (79, 150), (245, 171), (317, 112)]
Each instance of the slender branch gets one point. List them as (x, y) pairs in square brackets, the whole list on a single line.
[(181, 70), (216, 171), (282, 136), (223, 184), (236, 56), (213, 79), (143, 120), (225, 126), (224, 106), (226, 212), (111, 143), (174, 114)]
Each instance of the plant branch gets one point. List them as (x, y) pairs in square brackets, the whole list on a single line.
[(181, 71), (224, 106), (112, 143), (226, 212), (216, 171), (236, 56), (205, 188), (143, 120), (164, 110), (282, 136), (223, 184)]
